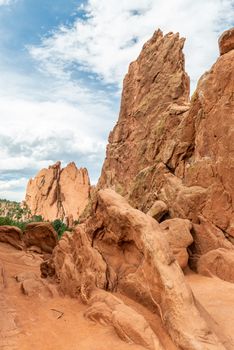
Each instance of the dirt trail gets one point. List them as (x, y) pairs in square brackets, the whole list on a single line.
[(28, 323)]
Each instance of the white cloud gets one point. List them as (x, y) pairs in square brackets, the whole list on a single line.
[(7, 185), (6, 2), (113, 32), (13, 189)]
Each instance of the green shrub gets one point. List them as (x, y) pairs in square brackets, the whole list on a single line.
[(60, 227), (57, 224), (6, 220), (37, 218)]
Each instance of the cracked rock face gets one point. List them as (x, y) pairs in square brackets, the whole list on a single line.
[(154, 100), (59, 193)]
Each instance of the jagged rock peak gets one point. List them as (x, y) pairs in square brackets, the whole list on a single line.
[(59, 192), (155, 94)]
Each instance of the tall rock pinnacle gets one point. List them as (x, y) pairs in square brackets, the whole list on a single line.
[(155, 94)]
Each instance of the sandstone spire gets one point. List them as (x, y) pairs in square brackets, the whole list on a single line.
[(155, 94)]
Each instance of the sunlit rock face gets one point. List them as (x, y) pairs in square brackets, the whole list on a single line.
[(154, 99), (59, 193)]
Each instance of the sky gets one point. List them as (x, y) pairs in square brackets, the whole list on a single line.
[(62, 63)]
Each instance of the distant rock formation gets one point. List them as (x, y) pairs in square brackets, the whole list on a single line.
[(58, 193)]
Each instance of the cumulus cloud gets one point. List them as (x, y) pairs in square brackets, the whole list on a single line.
[(34, 134), (110, 34)]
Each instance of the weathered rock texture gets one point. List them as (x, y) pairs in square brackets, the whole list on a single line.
[(177, 232), (11, 235), (154, 99), (59, 193), (41, 235), (226, 41), (123, 250), (165, 148), (218, 262)]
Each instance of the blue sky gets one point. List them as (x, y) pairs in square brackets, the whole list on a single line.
[(62, 63)]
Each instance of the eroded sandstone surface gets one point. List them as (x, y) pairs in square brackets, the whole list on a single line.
[(122, 250), (59, 193)]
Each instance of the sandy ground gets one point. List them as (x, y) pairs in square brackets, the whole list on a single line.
[(30, 323), (217, 297)]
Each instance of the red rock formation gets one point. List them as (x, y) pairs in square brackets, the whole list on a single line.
[(177, 232), (155, 97), (226, 41), (218, 262), (41, 235), (163, 148), (171, 160), (11, 235), (122, 249), (59, 193)]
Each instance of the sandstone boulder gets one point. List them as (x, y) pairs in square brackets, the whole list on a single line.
[(177, 232), (226, 41), (122, 249), (59, 193), (158, 210), (209, 237), (218, 262), (11, 235), (206, 237), (42, 235)]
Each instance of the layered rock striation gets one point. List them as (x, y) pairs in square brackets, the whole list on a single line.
[(59, 193)]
